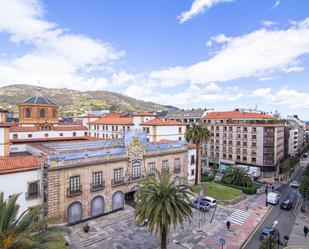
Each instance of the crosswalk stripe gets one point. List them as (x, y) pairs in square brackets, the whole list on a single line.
[(239, 216)]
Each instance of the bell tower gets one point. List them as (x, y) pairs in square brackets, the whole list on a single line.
[(4, 134)]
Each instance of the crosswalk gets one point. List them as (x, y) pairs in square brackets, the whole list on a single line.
[(239, 216)]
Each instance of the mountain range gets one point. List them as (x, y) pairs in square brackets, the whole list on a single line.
[(73, 102)]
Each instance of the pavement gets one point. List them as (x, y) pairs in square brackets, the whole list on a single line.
[(286, 220)]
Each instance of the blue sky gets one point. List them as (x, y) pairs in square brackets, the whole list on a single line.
[(219, 54)]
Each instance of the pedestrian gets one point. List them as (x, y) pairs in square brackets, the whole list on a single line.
[(306, 230), (228, 225), (272, 188), (286, 239)]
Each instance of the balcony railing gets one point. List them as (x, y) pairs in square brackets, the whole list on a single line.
[(117, 182), (74, 192), (151, 173), (136, 177), (177, 170), (97, 186), (166, 170), (30, 195)]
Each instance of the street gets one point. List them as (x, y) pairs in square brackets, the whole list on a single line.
[(284, 219)]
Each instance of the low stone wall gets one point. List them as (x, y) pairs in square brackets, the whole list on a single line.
[(234, 201)]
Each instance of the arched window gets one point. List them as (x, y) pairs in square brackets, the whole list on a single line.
[(74, 212), (42, 113), (27, 113), (54, 113)]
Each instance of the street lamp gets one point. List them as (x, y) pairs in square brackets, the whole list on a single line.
[(266, 192)]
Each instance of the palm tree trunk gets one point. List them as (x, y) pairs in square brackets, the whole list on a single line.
[(163, 238), (197, 168)]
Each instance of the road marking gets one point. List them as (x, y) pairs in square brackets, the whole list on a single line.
[(239, 216), (256, 228)]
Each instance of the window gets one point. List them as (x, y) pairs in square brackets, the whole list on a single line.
[(33, 189), (29, 135), (118, 175), (42, 113), (147, 130), (152, 168), (179, 129), (253, 137), (74, 134), (177, 163), (27, 113), (179, 138), (75, 184), (136, 170), (46, 135), (61, 134), (192, 159), (97, 179), (192, 172), (15, 136), (165, 165)]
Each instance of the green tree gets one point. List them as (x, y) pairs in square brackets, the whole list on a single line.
[(304, 186), (237, 176), (162, 204), (197, 134), (28, 231), (268, 243)]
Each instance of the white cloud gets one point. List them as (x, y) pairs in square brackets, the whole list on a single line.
[(268, 23), (284, 96), (122, 77), (199, 7), (255, 54), (59, 58), (276, 4)]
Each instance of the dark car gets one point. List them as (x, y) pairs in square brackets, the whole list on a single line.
[(268, 232), (287, 205), (204, 206)]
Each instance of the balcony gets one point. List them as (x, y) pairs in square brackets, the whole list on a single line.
[(117, 182), (32, 195), (74, 192), (151, 173), (96, 187), (165, 170), (136, 177), (177, 170)]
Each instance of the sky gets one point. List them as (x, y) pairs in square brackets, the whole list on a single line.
[(220, 54)]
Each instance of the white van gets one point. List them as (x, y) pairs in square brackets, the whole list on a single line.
[(211, 201), (273, 198)]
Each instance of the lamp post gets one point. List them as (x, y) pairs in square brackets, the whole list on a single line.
[(266, 192)]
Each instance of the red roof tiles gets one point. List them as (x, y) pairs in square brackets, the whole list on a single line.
[(18, 164), (161, 122), (54, 128), (113, 121), (237, 115)]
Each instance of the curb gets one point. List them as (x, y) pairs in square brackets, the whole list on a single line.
[(256, 228), (296, 213)]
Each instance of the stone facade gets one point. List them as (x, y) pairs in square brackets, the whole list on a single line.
[(59, 199)]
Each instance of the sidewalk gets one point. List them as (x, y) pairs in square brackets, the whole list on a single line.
[(297, 238)]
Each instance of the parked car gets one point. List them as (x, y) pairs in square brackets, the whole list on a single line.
[(211, 201), (204, 206), (287, 205), (268, 232), (273, 198), (294, 184)]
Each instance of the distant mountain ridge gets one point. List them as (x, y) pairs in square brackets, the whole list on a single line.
[(76, 102)]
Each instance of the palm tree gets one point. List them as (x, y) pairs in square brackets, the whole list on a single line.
[(162, 204), (28, 230), (237, 176), (197, 134)]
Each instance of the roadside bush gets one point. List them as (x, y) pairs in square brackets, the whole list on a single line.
[(248, 191), (207, 178)]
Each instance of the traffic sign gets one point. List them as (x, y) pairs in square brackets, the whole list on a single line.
[(222, 241)]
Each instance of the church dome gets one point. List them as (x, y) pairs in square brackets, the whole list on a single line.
[(39, 99)]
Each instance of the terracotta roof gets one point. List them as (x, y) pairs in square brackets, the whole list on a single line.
[(89, 116), (113, 121), (54, 128), (161, 122), (114, 115), (18, 163), (148, 114), (237, 115)]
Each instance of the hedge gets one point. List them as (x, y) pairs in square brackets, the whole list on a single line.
[(249, 191), (207, 178)]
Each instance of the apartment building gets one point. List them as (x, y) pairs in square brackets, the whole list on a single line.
[(115, 126), (294, 136), (245, 137)]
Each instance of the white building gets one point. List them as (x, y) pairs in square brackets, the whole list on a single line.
[(295, 132), (191, 162)]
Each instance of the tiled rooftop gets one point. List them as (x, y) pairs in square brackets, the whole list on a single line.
[(237, 115), (161, 122), (18, 164)]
